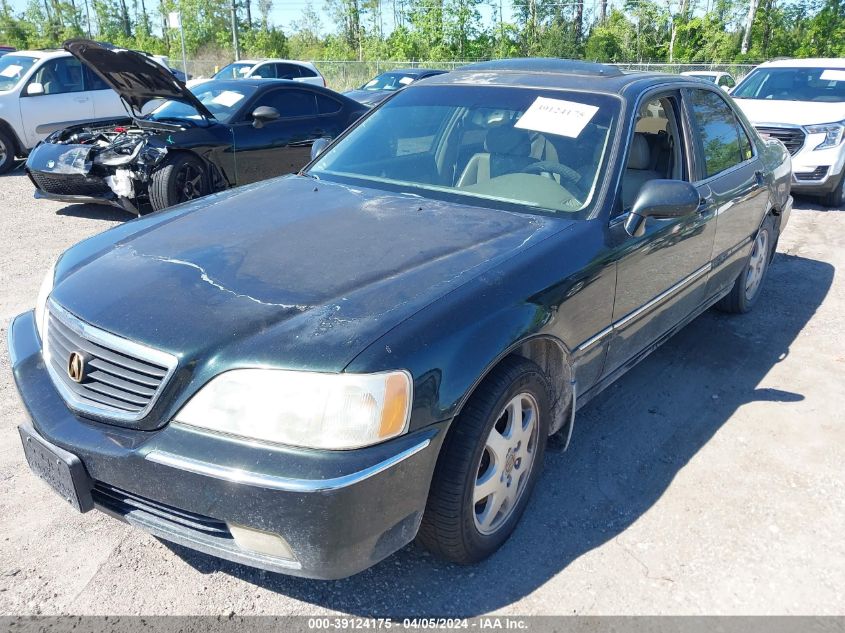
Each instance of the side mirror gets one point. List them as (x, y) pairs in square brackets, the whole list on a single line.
[(661, 199), (34, 89), (318, 146), (264, 114)]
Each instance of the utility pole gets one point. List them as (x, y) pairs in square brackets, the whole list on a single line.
[(501, 31), (235, 45)]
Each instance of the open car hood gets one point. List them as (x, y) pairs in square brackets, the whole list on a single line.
[(135, 77)]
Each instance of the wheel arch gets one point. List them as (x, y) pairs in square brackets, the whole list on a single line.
[(216, 179), (19, 148), (554, 358)]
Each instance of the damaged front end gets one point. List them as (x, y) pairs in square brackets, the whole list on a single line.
[(109, 163)]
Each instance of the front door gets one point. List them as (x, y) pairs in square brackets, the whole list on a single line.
[(63, 102), (661, 275), (282, 146)]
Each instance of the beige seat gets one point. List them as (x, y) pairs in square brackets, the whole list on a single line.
[(508, 151), (638, 171)]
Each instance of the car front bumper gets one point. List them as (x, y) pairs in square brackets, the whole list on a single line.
[(339, 511), (107, 197), (817, 172)]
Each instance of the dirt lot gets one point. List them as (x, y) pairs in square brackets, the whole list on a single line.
[(708, 480)]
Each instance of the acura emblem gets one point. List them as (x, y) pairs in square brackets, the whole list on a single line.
[(76, 366), (51, 164)]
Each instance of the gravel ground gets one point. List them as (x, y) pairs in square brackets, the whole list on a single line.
[(709, 480)]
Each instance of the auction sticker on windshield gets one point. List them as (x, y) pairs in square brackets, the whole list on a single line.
[(11, 71), (833, 75), (556, 116), (227, 98)]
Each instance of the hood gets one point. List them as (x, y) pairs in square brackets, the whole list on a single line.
[(762, 111), (369, 97), (289, 272), (135, 77)]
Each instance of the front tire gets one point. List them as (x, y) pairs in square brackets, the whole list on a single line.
[(180, 178), (836, 198), (7, 152), (489, 464), (749, 284)]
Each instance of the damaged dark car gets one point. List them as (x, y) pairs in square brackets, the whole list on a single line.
[(310, 372), (187, 144)]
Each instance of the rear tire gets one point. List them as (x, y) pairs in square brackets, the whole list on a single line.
[(180, 178), (489, 464), (836, 198), (749, 284), (7, 152)]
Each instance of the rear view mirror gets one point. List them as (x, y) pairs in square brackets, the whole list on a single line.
[(264, 114), (318, 146), (34, 89), (661, 199)]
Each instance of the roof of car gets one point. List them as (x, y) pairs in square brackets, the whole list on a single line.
[(812, 62), (254, 82), (274, 60), (417, 71), (45, 53), (553, 74)]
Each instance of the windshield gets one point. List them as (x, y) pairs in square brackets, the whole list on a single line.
[(222, 101), (12, 68), (388, 81), (238, 70), (793, 84), (525, 150), (707, 76)]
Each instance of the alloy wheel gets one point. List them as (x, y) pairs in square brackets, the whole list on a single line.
[(189, 183), (505, 464), (757, 265)]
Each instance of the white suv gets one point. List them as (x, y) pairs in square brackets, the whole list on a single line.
[(801, 102), (44, 91), (306, 72)]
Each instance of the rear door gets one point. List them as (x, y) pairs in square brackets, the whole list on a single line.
[(730, 180), (107, 103), (64, 101)]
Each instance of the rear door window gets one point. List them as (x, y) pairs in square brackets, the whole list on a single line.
[(718, 130), (287, 71)]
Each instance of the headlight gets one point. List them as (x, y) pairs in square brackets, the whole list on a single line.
[(313, 410), (41, 301), (832, 131)]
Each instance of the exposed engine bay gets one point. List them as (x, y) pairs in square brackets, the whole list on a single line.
[(108, 160)]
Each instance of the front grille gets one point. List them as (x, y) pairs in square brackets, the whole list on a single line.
[(792, 137), (817, 174), (125, 503), (70, 184), (119, 379)]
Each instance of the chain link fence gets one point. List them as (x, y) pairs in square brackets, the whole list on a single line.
[(346, 75)]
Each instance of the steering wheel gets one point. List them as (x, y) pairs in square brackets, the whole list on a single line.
[(567, 173)]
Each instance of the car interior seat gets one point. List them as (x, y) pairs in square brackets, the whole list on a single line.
[(507, 150), (638, 171)]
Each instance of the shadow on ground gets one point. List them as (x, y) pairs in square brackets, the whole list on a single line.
[(627, 447), (96, 212)]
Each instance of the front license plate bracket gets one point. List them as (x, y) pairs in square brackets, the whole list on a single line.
[(63, 471)]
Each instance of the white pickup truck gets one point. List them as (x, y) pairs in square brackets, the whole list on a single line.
[(801, 102), (43, 91)]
